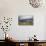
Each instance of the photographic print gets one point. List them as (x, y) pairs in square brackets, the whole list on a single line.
[(25, 20)]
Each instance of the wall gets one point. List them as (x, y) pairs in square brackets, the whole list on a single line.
[(14, 8), (45, 28)]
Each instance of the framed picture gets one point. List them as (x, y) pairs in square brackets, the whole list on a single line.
[(25, 20)]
